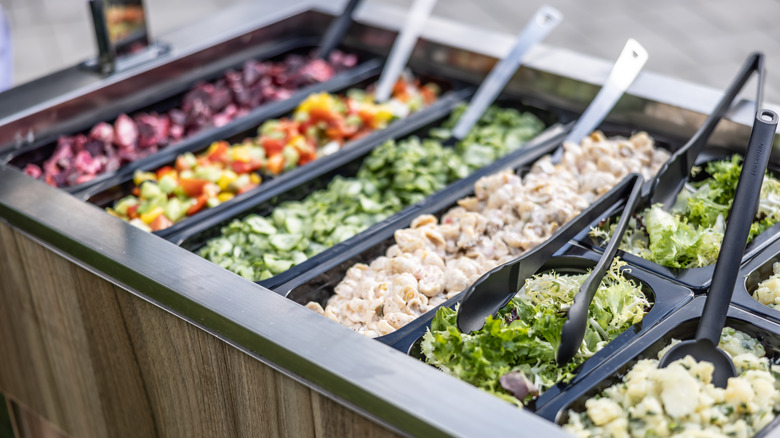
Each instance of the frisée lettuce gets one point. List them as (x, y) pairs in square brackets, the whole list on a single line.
[(690, 234), (524, 336)]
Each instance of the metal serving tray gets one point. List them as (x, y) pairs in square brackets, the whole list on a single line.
[(680, 325), (347, 165)]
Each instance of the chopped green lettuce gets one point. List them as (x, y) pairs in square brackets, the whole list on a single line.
[(525, 334), (690, 235)]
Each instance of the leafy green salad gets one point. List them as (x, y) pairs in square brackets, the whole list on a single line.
[(393, 176), (690, 234), (513, 355)]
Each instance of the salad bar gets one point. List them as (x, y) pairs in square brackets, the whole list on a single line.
[(239, 238)]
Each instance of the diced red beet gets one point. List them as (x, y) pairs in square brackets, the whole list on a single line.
[(95, 148), (33, 170), (125, 131), (153, 130), (318, 70), (86, 164), (102, 132)]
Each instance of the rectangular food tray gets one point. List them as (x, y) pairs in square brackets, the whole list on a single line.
[(346, 163), (42, 148), (697, 279), (316, 283), (751, 274), (118, 186), (679, 325)]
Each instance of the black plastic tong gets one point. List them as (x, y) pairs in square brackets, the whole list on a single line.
[(675, 172)]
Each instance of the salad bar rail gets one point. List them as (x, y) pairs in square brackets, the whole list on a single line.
[(107, 330)]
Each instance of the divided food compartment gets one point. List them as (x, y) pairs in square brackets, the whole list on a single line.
[(753, 273), (697, 279), (162, 101), (345, 164), (118, 186), (680, 325), (665, 297)]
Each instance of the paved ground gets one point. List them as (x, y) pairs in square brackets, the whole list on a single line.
[(703, 41)]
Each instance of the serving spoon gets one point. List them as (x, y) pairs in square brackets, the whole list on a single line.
[(628, 65), (705, 346), (544, 20), (496, 288), (573, 330)]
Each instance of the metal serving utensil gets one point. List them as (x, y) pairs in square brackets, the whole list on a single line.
[(402, 47), (626, 69), (671, 178), (573, 330), (540, 25), (705, 346), (496, 288)]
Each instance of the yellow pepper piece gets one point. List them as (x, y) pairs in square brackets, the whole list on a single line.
[(383, 115), (318, 100), (227, 177), (255, 178), (140, 176), (225, 196), (241, 153), (150, 216)]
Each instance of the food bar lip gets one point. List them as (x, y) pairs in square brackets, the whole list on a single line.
[(115, 187), (31, 153), (681, 324), (193, 237)]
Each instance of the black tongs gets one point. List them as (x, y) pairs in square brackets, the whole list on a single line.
[(496, 288), (675, 172)]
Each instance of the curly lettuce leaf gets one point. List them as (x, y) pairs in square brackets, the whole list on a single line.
[(525, 335), (690, 235)]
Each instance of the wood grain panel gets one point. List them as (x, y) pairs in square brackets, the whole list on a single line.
[(96, 361)]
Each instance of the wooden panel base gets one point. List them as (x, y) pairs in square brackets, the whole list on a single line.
[(96, 361)]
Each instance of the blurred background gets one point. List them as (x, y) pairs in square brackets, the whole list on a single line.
[(702, 41)]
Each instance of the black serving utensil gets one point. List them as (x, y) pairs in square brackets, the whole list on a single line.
[(496, 288), (628, 65), (337, 29), (573, 330), (544, 21), (743, 210), (675, 172)]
